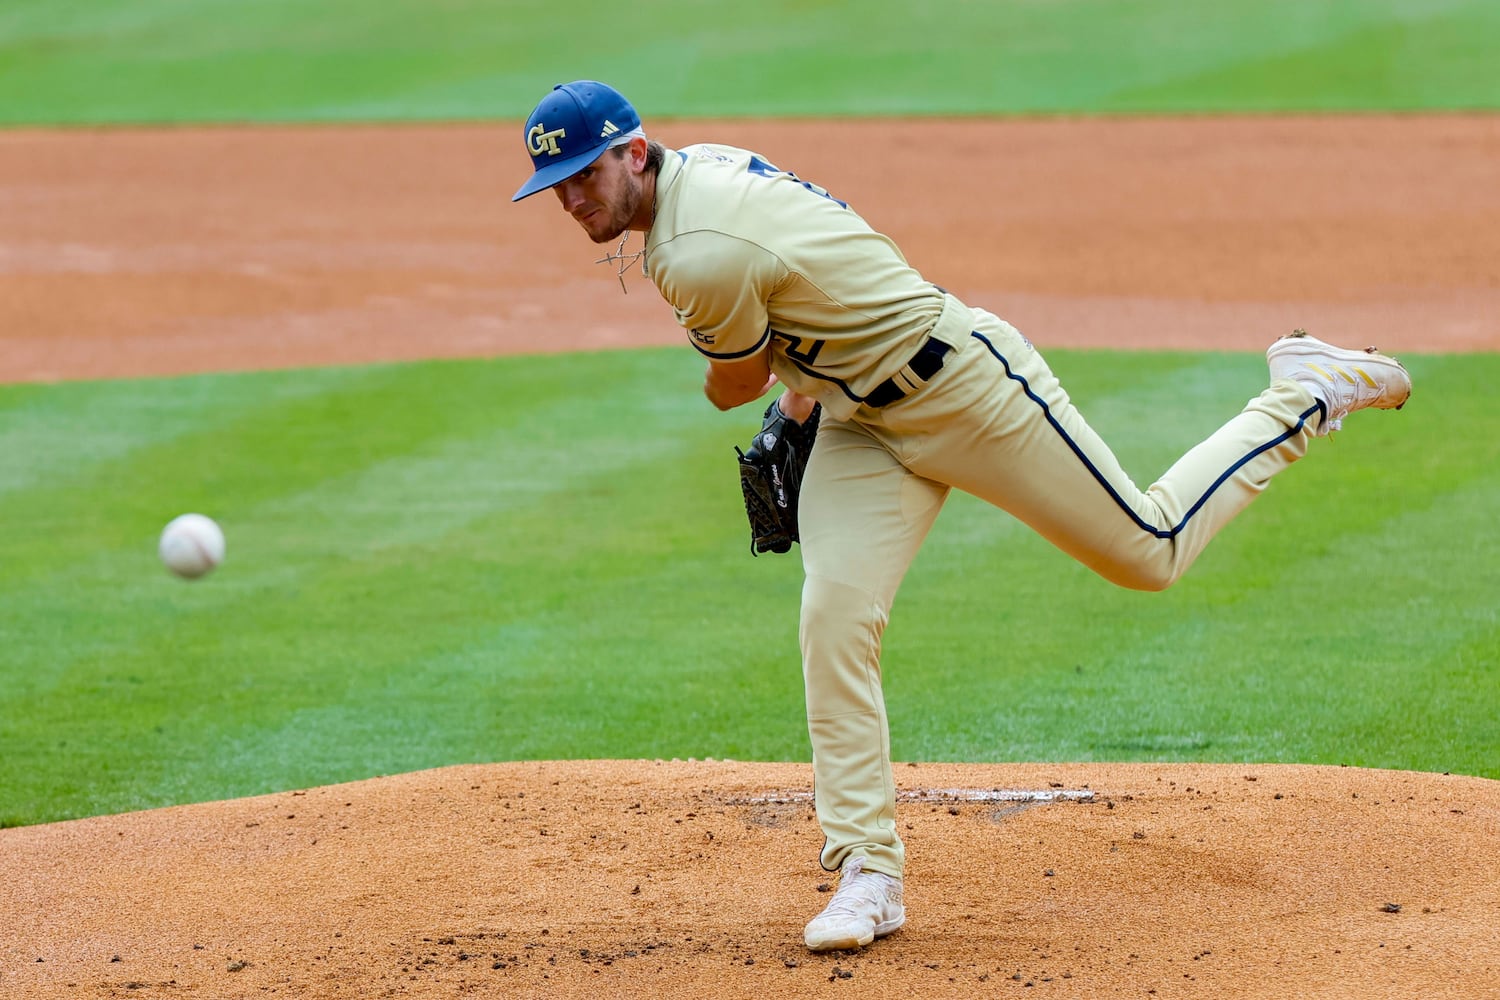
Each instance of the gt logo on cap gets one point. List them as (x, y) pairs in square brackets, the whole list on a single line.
[(540, 141)]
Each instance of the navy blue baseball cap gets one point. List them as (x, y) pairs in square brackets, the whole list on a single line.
[(571, 127)]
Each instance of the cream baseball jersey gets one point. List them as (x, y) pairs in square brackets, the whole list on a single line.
[(749, 255)]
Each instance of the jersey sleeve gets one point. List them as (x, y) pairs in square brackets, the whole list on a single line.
[(719, 286)]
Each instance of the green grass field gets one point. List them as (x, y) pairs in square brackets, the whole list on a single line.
[(466, 561), (89, 61)]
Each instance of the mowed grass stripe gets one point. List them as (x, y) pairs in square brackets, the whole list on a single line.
[(90, 61), (60, 435), (494, 645), (313, 600), (544, 630), (1419, 60), (555, 565), (223, 444), (303, 492), (1360, 654)]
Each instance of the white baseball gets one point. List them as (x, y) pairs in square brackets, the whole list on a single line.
[(191, 545)]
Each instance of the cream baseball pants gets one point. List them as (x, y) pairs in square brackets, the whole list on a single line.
[(993, 422)]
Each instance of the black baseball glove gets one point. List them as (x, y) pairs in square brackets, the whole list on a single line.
[(771, 478)]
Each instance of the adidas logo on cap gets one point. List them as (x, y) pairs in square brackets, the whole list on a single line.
[(610, 128)]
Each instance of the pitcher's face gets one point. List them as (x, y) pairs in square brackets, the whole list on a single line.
[(604, 196)]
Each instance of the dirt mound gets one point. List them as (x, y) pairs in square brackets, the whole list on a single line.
[(693, 879)]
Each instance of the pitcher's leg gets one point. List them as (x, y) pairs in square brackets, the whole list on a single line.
[(1036, 457), (1207, 487), (862, 518)]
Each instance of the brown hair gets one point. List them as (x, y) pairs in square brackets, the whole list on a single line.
[(655, 154)]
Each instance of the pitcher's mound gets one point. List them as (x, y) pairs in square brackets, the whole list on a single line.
[(694, 879)]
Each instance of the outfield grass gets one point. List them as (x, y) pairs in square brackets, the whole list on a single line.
[(93, 61), (470, 561)]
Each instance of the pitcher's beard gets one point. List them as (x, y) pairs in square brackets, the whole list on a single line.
[(619, 217)]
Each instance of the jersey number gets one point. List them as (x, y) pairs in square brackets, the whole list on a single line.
[(797, 352), (757, 165)]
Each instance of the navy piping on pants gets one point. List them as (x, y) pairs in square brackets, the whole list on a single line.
[(1119, 501)]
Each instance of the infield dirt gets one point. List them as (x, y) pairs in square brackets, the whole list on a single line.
[(169, 251), (694, 878)]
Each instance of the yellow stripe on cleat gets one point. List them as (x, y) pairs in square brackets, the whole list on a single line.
[(1321, 372), (1368, 380)]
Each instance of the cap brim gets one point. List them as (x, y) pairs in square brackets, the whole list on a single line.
[(555, 173)]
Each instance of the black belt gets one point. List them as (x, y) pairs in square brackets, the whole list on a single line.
[(924, 364)]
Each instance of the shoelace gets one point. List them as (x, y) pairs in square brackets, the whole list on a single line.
[(858, 892), (1357, 397)]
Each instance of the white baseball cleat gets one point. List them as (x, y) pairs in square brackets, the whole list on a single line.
[(866, 906), (1342, 379)]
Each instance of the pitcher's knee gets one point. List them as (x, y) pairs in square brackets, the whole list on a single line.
[(832, 609), (840, 637), (1156, 572), (1153, 583)]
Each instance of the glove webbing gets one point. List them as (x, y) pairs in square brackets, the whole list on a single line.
[(765, 505)]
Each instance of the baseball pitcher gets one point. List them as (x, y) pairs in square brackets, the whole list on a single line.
[(914, 393)]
